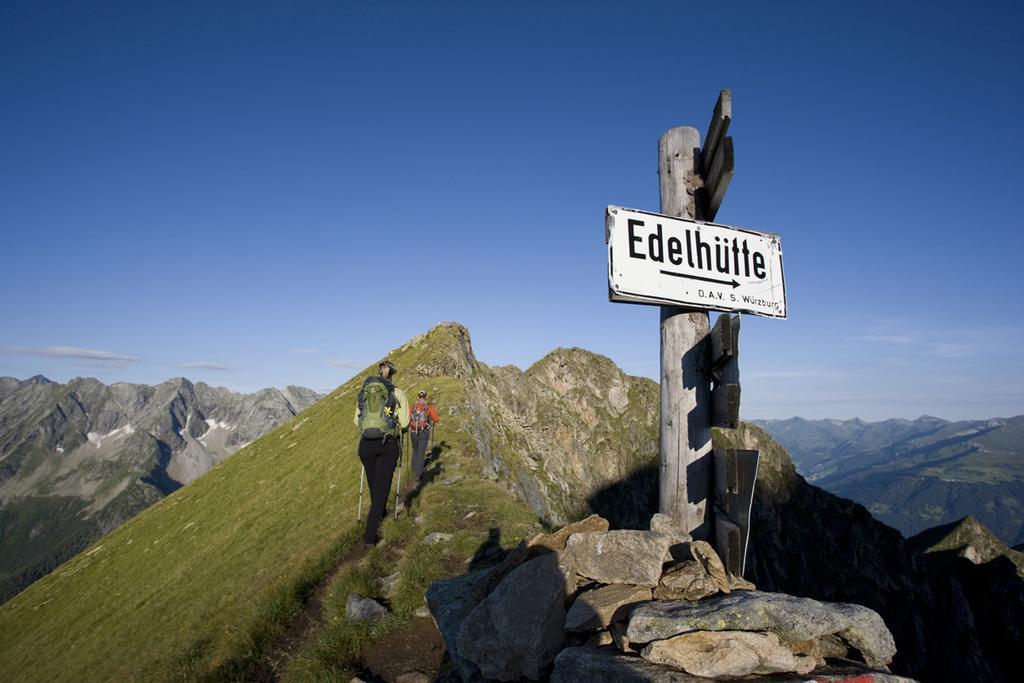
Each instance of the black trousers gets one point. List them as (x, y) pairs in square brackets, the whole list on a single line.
[(420, 441), (379, 458)]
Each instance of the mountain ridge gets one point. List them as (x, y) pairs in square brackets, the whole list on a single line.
[(77, 459), (196, 582), (967, 538), (201, 584), (917, 474)]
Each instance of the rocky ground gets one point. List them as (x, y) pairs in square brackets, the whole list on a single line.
[(586, 603)]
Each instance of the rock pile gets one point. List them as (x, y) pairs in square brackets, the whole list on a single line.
[(587, 603)]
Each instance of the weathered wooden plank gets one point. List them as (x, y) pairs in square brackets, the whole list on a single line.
[(728, 543), (735, 474), (746, 473), (719, 126), (725, 351), (725, 406), (725, 337), (726, 478), (717, 178), (685, 477)]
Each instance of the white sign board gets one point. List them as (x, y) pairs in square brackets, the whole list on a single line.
[(655, 259)]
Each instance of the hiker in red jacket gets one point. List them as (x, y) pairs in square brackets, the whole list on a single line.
[(422, 418)]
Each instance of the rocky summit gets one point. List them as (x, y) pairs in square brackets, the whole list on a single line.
[(616, 630)]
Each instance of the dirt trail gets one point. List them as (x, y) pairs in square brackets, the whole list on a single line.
[(304, 624), (424, 648)]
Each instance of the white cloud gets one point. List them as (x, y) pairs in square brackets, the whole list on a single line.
[(923, 344), (71, 352), (204, 365), (947, 350)]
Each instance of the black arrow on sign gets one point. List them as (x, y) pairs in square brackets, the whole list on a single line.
[(705, 279)]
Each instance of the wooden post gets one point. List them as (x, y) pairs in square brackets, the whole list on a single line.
[(686, 468)]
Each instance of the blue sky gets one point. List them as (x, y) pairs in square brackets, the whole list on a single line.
[(260, 193)]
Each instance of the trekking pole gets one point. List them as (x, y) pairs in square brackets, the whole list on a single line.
[(362, 476), (433, 426), (398, 491)]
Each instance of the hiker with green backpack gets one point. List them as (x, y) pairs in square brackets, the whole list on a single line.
[(382, 415)]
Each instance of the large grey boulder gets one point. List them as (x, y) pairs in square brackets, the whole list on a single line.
[(791, 618), (631, 557), (686, 581), (575, 664), (679, 540), (727, 654), (706, 555), (517, 630), (536, 545), (556, 541), (604, 665), (450, 602), (598, 608)]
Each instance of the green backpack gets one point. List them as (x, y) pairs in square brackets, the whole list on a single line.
[(378, 409)]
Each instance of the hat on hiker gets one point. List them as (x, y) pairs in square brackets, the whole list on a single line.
[(390, 366), (422, 394)]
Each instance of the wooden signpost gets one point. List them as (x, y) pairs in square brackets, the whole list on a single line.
[(679, 260), (685, 445)]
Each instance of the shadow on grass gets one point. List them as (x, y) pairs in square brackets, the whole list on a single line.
[(489, 552), (431, 470), (435, 452)]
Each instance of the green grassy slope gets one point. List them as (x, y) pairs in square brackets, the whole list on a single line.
[(195, 568), (194, 585)]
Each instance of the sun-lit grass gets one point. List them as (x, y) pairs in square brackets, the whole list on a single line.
[(195, 572), (478, 514), (196, 586)]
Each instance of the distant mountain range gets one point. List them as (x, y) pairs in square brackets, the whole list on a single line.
[(916, 474), (79, 459), (204, 584)]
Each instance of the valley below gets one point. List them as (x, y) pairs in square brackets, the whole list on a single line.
[(916, 474)]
